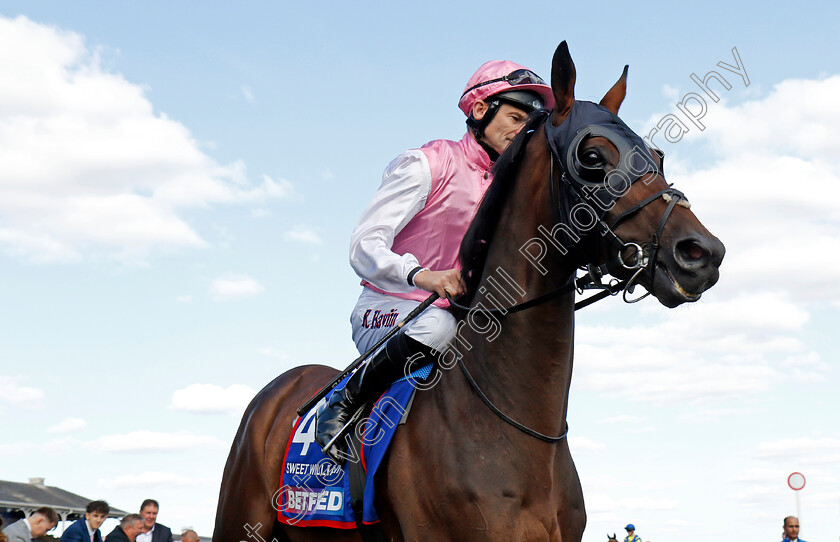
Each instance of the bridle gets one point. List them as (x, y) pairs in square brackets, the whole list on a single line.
[(643, 258), (640, 260)]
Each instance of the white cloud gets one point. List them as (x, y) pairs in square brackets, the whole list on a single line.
[(303, 234), (68, 425), (601, 503), (248, 94), (15, 449), (804, 450), (235, 287), (761, 475), (62, 445), (671, 92), (585, 445), (152, 441), (622, 419), (805, 116), (89, 167), (271, 352), (212, 399), (648, 503), (711, 350), (13, 393), (147, 480)]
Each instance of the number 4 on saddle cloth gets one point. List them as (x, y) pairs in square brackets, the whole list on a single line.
[(315, 490)]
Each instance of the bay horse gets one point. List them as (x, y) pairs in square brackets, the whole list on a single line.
[(459, 471)]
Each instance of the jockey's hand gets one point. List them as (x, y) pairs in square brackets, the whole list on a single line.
[(442, 282)]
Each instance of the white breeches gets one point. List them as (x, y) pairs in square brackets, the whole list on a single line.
[(376, 314)]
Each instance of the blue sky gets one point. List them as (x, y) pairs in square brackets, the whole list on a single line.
[(180, 180)]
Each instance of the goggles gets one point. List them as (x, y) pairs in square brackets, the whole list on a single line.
[(516, 77)]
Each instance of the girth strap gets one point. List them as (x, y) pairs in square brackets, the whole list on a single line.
[(358, 477)]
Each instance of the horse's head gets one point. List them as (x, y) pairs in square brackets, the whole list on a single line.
[(614, 185), (613, 538)]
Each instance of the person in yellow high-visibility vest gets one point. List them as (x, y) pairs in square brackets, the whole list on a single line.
[(631, 536)]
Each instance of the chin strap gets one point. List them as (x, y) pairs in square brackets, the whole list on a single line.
[(491, 152), (477, 129)]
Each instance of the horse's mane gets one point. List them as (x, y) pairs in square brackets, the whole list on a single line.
[(476, 242)]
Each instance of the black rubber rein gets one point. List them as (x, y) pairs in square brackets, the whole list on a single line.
[(505, 417)]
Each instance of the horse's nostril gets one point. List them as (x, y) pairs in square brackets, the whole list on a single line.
[(692, 253)]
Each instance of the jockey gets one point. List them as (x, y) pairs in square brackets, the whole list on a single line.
[(631, 534), (406, 243)]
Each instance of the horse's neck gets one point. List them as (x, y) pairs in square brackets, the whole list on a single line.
[(524, 359)]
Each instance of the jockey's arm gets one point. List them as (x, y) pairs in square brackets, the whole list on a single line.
[(405, 186)]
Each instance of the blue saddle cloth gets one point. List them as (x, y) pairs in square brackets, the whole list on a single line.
[(315, 491)]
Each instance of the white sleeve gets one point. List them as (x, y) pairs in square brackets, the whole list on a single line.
[(405, 186)]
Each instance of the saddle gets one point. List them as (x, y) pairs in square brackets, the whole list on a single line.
[(317, 492)]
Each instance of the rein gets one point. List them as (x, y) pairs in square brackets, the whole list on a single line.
[(586, 282), (505, 417)]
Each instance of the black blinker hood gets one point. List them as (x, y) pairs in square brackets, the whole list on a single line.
[(589, 119)]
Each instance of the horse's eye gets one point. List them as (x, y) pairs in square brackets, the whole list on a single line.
[(591, 158)]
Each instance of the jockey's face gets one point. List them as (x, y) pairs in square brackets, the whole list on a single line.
[(504, 126)]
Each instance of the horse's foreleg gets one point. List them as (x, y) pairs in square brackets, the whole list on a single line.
[(571, 515)]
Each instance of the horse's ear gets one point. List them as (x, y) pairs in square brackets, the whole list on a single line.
[(562, 83), (613, 98)]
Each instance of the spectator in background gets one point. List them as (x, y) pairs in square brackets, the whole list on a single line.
[(190, 536), (87, 529), (631, 534), (152, 530), (35, 526), (791, 529), (128, 529)]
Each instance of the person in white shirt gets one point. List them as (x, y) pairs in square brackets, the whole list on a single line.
[(152, 530)]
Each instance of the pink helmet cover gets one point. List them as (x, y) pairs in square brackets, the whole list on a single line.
[(497, 69)]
